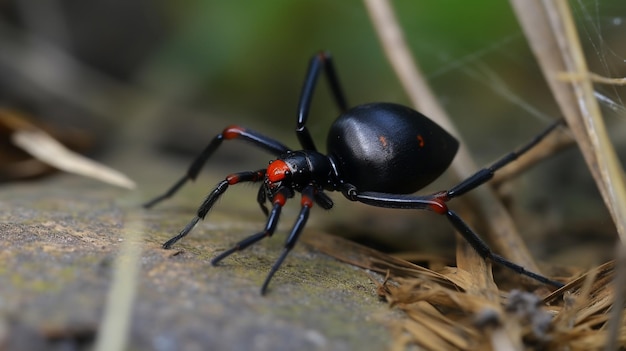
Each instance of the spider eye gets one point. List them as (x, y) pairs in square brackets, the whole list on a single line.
[(278, 170)]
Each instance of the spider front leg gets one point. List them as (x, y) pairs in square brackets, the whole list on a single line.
[(308, 197), (229, 133), (210, 200), (280, 198)]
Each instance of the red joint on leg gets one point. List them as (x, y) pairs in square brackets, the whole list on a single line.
[(322, 55), (279, 199), (306, 201), (439, 206), (232, 179), (259, 175), (232, 132)]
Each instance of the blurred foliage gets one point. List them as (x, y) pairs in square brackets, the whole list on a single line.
[(245, 60), (253, 55)]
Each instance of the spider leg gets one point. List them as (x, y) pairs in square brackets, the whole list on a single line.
[(481, 247), (229, 133), (308, 197), (485, 174), (437, 203), (210, 200), (324, 201), (323, 60), (261, 197), (280, 198)]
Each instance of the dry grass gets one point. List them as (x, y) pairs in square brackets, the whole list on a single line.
[(446, 309)]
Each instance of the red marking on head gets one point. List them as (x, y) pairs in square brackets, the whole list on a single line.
[(232, 132), (277, 170), (420, 140)]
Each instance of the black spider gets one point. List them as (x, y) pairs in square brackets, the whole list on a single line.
[(377, 154)]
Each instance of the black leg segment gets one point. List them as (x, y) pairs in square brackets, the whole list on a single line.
[(233, 132), (272, 221), (210, 200), (318, 62), (437, 203), (483, 250), (484, 175), (308, 195)]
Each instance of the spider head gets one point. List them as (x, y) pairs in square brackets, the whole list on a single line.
[(278, 174), (296, 170)]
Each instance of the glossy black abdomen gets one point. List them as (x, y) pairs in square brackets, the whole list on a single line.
[(389, 148)]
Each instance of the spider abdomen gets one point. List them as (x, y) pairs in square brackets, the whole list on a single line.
[(389, 148)]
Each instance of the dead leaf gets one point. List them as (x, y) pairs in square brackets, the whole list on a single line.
[(44, 148)]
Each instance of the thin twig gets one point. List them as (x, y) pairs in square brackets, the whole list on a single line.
[(114, 329), (596, 78)]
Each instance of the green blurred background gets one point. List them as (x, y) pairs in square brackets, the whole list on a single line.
[(245, 61)]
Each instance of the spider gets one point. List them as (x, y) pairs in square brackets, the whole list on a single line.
[(377, 153)]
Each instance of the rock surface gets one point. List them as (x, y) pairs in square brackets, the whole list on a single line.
[(62, 236)]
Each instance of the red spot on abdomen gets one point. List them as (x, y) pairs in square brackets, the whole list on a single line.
[(420, 140), (383, 141)]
